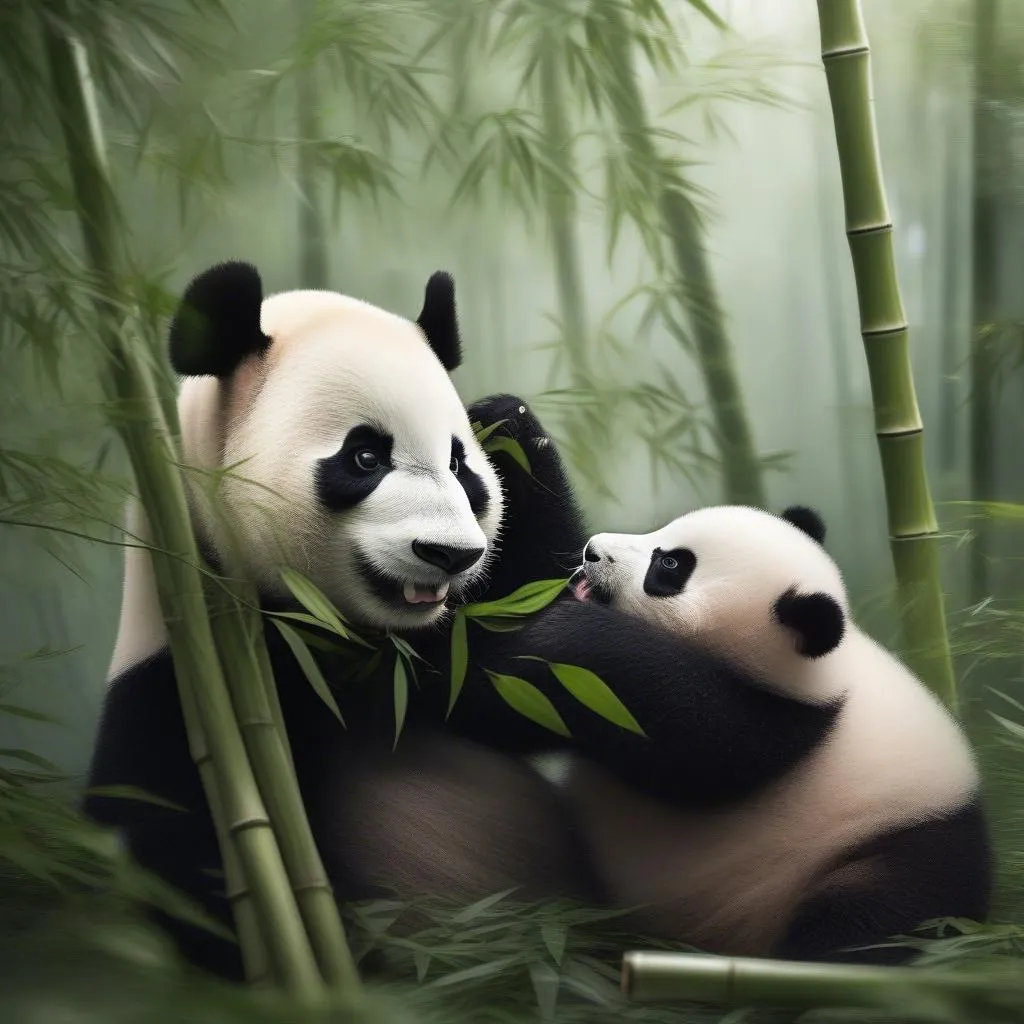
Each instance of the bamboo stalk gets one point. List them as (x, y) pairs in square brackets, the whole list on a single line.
[(742, 476), (746, 981), (140, 424), (984, 286), (238, 633), (913, 529), (562, 216)]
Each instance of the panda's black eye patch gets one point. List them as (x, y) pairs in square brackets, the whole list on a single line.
[(669, 571), (474, 487), (354, 471)]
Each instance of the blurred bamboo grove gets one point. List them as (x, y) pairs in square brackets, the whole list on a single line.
[(642, 208)]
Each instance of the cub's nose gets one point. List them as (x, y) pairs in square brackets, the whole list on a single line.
[(448, 559), (590, 554)]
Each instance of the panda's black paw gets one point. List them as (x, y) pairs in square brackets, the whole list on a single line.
[(505, 418), (508, 414)]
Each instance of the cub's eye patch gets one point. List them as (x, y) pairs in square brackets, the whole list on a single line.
[(669, 572), (353, 472)]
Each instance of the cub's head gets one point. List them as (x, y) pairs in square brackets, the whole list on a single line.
[(754, 586), (339, 443)]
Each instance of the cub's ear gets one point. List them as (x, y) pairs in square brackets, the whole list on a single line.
[(217, 324), (439, 320), (808, 520), (817, 620)]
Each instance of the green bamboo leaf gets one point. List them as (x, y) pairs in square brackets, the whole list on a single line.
[(28, 757), (525, 698), (527, 599), (133, 793), (555, 936), (480, 971), (1014, 728), (593, 692), (474, 910), (311, 598), (309, 667), (482, 432), (510, 447), (460, 659), (421, 958), (20, 712), (401, 696), (500, 624)]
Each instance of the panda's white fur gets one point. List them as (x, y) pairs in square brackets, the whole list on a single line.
[(333, 362), (730, 879)]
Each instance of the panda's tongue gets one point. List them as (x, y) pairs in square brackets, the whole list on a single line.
[(415, 594), (581, 590)]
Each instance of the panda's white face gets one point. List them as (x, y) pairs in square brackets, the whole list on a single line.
[(716, 576), (351, 459)]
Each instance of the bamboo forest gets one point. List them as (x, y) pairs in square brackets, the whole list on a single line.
[(763, 254)]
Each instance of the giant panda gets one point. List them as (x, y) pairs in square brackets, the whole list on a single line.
[(344, 452), (821, 801)]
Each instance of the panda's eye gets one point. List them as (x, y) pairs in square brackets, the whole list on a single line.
[(367, 460), (454, 465), (668, 562)]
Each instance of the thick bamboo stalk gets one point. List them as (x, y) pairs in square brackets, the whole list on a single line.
[(238, 633), (562, 216), (742, 476), (984, 233), (748, 982), (142, 429), (913, 530)]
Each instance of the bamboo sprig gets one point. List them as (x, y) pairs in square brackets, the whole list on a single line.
[(238, 633), (140, 424), (746, 981), (913, 529)]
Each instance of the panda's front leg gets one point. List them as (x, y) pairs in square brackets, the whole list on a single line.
[(542, 533)]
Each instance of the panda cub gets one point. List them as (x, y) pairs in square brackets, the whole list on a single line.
[(821, 798)]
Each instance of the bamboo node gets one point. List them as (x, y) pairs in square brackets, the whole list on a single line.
[(859, 50), (252, 821), (870, 229)]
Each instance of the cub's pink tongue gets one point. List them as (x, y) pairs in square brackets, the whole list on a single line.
[(415, 594), (581, 590)]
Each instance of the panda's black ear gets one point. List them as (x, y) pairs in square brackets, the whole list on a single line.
[(808, 520), (817, 620), (439, 321), (217, 324)]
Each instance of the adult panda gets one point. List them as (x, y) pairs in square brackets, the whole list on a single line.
[(354, 462), (822, 801)]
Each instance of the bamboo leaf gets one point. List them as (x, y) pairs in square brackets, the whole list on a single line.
[(593, 692), (474, 910), (309, 667), (555, 936), (311, 598), (484, 970), (482, 432), (460, 659), (525, 698), (527, 599), (20, 712), (401, 686), (511, 447), (133, 793), (28, 757)]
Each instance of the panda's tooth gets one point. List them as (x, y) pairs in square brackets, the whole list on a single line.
[(442, 591), (409, 592)]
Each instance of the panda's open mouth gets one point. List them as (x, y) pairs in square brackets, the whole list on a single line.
[(403, 593), (586, 589)]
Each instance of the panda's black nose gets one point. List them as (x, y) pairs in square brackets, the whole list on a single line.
[(445, 557), (590, 554)]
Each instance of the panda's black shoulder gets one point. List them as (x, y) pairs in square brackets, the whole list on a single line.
[(141, 743)]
